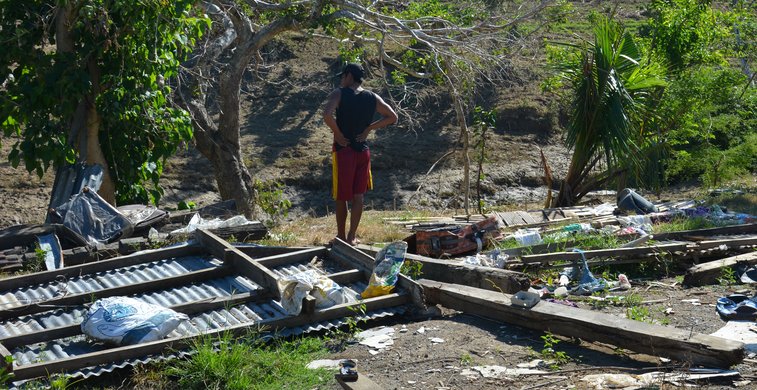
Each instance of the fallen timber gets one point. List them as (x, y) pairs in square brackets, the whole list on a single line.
[(708, 273), (51, 322), (454, 271), (657, 340)]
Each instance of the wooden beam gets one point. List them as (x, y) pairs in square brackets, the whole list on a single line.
[(730, 242), (293, 257), (615, 252), (7, 360), (243, 263), (454, 271), (749, 228), (360, 260), (708, 273), (129, 289), (257, 252), (682, 345), (100, 266), (134, 351)]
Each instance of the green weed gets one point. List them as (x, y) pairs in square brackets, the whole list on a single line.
[(727, 276), (413, 269), (550, 353)]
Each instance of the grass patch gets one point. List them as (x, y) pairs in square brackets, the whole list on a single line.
[(224, 362), (685, 223)]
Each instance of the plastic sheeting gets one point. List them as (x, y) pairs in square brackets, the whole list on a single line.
[(93, 218)]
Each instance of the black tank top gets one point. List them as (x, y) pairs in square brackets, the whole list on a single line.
[(354, 114)]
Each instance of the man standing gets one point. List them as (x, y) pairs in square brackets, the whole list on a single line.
[(349, 112)]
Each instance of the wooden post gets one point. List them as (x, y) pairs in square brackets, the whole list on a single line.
[(708, 273)]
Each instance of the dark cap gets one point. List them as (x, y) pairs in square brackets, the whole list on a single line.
[(355, 70)]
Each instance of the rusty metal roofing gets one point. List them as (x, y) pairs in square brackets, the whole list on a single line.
[(249, 313)]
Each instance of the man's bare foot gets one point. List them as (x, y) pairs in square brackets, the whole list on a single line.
[(352, 240)]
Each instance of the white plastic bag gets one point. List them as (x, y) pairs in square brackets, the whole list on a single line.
[(128, 321), (295, 287)]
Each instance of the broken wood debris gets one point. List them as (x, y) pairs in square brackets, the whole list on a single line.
[(657, 340), (708, 273), (81, 283)]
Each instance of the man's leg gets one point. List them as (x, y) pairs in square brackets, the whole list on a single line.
[(341, 219), (356, 213)]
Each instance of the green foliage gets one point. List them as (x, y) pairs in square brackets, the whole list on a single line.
[(250, 363), (413, 269), (338, 338), (549, 351), (269, 196), (122, 56), (638, 313), (483, 121), (687, 32), (186, 205), (6, 375), (727, 276), (612, 87)]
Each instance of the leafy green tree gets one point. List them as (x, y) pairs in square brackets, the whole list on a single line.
[(612, 89), (87, 81), (708, 113)]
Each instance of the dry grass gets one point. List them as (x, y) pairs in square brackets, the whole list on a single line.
[(373, 229)]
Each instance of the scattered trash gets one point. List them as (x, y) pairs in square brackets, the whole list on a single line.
[(744, 331), (89, 215), (533, 364), (347, 370), (493, 372), (386, 268), (323, 363), (527, 237), (295, 287), (436, 340), (128, 321), (454, 240), (197, 222), (50, 245), (693, 301), (525, 299), (494, 259), (737, 307), (628, 200), (378, 338)]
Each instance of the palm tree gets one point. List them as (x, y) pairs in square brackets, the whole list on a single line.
[(612, 88)]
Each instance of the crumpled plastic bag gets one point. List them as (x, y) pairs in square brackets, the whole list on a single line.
[(198, 222), (386, 268), (295, 287), (129, 321)]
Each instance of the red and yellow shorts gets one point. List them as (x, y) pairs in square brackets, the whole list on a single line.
[(351, 173)]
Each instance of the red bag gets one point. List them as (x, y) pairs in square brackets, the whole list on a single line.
[(457, 240)]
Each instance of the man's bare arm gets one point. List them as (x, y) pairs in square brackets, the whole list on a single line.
[(328, 116), (388, 117)]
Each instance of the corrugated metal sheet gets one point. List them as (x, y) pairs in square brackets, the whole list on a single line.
[(249, 313)]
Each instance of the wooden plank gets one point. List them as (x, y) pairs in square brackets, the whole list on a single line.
[(89, 296), (243, 263), (749, 228), (454, 271), (708, 273), (7, 360), (364, 262), (177, 343), (732, 242), (615, 252), (683, 345), (100, 266), (293, 257), (257, 252), (526, 217)]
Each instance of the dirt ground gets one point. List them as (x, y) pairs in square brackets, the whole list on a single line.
[(285, 140), (450, 351)]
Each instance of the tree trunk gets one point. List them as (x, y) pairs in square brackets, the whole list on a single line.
[(84, 127)]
